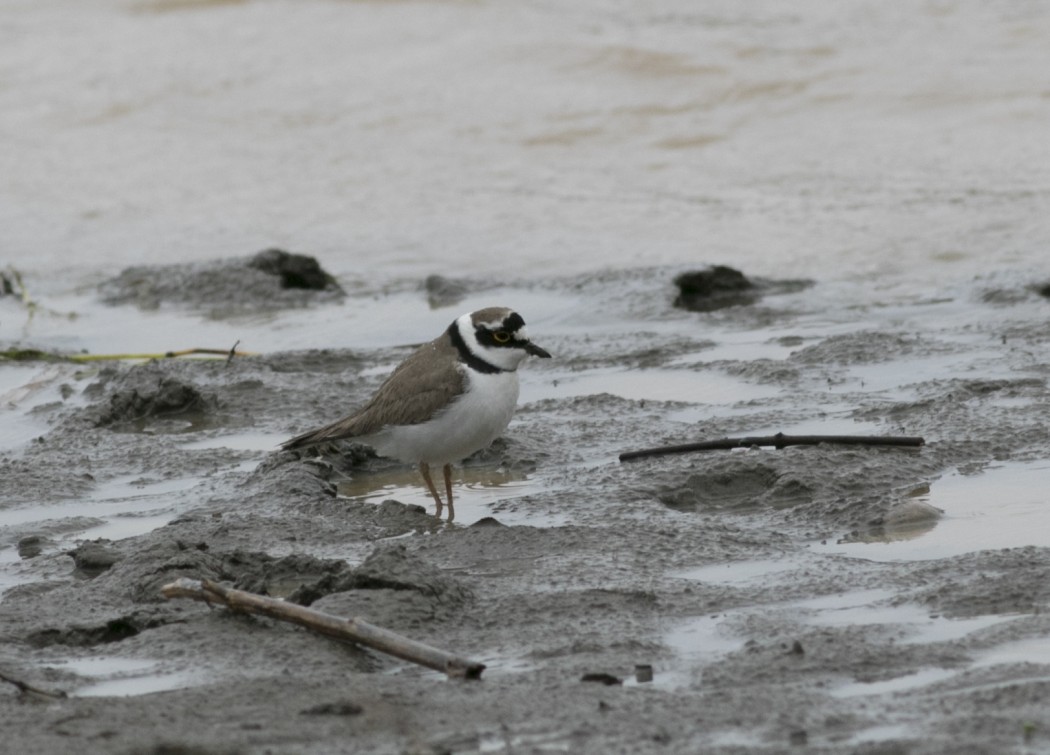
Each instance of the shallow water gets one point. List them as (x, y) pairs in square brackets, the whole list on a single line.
[(1030, 651), (114, 676), (898, 150), (654, 385), (127, 507), (705, 639), (478, 492), (1005, 505), (22, 389)]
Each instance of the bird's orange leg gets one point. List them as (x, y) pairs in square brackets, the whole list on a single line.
[(448, 491), (424, 469)]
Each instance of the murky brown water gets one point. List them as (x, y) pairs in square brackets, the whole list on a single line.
[(895, 157)]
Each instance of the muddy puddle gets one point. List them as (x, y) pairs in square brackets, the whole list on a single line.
[(822, 595), (113, 676), (479, 493), (1001, 506)]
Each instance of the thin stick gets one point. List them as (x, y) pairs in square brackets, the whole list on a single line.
[(29, 355), (228, 353), (354, 630), (233, 351), (777, 441), (28, 688)]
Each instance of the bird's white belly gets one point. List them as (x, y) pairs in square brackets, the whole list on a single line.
[(470, 423)]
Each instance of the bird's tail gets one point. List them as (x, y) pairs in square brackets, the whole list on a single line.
[(335, 431), (307, 439)]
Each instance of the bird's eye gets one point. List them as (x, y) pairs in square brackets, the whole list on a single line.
[(501, 336)]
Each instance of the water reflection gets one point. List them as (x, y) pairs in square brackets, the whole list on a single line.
[(1004, 506), (479, 492)]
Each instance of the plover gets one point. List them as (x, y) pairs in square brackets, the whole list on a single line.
[(448, 399)]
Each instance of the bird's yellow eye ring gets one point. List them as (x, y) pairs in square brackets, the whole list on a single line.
[(501, 336)]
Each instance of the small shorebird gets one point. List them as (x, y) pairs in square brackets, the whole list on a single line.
[(448, 399)]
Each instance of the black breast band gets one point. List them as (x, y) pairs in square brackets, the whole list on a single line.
[(468, 357)]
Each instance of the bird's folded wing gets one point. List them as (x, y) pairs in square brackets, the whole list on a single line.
[(421, 386)]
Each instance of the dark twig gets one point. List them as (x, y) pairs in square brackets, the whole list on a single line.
[(354, 630), (233, 351), (776, 441)]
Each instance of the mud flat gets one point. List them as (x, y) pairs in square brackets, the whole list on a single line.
[(812, 599)]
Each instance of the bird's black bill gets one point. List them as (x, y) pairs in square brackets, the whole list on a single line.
[(536, 351)]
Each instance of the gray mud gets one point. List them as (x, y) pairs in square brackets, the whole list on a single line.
[(271, 279), (725, 572)]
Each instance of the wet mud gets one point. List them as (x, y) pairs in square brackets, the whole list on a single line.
[(751, 582), (271, 279)]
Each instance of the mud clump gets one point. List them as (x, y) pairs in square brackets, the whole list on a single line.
[(720, 286), (293, 270), (714, 288), (32, 546), (253, 571), (92, 558), (273, 279), (148, 393), (7, 284), (444, 292)]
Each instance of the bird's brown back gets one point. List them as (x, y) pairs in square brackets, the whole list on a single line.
[(421, 386)]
